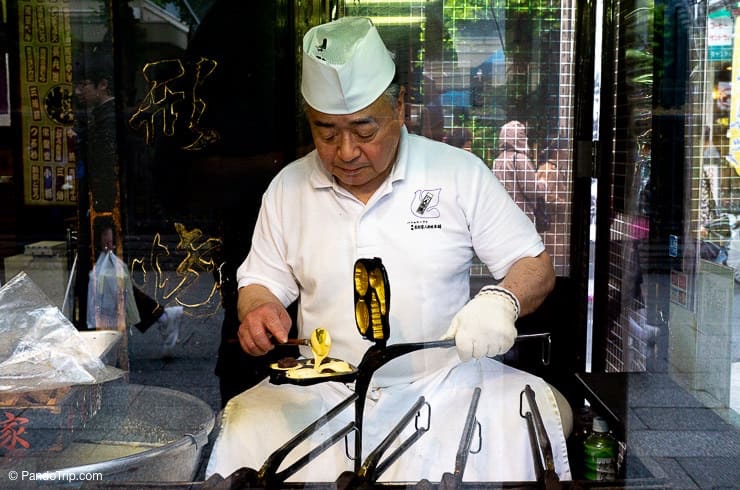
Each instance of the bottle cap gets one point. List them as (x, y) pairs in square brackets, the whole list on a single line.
[(600, 425)]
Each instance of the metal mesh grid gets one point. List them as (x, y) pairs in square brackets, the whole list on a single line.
[(715, 186), (630, 170), (473, 66)]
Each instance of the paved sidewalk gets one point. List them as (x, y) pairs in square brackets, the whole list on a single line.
[(189, 370), (191, 367)]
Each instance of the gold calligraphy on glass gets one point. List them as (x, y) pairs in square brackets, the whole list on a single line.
[(193, 286), (174, 95)]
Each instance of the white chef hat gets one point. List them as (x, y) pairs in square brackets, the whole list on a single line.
[(346, 66)]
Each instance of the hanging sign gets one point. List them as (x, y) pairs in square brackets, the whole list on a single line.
[(719, 36), (46, 103)]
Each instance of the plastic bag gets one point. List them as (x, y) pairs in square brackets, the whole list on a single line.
[(40, 349), (110, 295)]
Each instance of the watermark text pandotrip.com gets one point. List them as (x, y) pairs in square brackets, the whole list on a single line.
[(53, 476)]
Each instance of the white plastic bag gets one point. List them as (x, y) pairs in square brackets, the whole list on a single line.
[(110, 295), (40, 349)]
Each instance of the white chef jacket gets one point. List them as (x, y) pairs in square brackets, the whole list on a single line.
[(310, 232), (439, 206)]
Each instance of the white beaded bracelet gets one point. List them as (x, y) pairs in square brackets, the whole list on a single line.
[(499, 291)]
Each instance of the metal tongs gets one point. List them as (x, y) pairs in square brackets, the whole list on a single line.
[(268, 474), (373, 467), (544, 463)]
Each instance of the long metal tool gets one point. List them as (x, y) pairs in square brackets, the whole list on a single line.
[(372, 468), (539, 441), (454, 480), (471, 423), (268, 475)]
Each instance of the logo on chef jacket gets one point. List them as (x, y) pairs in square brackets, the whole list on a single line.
[(425, 202), (425, 205)]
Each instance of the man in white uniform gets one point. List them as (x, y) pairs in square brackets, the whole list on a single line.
[(371, 189)]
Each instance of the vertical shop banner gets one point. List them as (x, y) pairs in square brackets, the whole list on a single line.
[(733, 158), (719, 36), (46, 102)]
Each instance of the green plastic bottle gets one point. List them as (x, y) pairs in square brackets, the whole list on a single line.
[(600, 453)]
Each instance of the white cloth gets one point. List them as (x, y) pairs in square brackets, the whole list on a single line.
[(439, 206), (260, 420)]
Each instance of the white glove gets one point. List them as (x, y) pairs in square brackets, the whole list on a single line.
[(485, 326)]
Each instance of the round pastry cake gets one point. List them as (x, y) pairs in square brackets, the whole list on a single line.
[(301, 371)]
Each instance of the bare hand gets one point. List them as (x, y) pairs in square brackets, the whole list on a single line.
[(261, 325)]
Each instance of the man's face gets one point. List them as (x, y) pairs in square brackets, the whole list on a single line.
[(88, 92), (359, 149)]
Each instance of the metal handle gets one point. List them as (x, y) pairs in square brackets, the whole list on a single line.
[(540, 442), (546, 344), (471, 423)]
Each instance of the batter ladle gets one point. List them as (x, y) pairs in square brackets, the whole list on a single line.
[(320, 343)]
